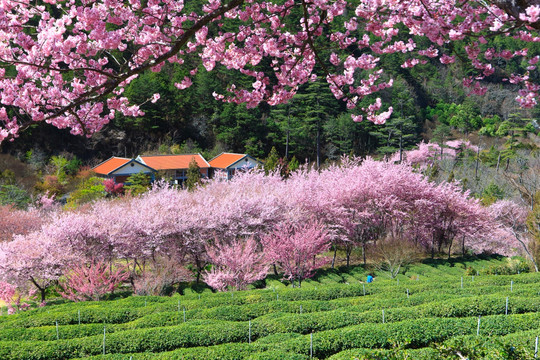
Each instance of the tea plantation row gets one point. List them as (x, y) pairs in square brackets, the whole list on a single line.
[(433, 311)]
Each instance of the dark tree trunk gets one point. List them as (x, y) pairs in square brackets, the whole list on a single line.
[(334, 258), (288, 134), (477, 160), (318, 146), (198, 263), (41, 289), (401, 145), (364, 251), (433, 246)]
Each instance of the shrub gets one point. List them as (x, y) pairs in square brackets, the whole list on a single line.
[(14, 195), (515, 265), (393, 253), (160, 278), (88, 190), (113, 188), (91, 282)]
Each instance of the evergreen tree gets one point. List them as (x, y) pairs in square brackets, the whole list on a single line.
[(301, 123), (293, 164), (440, 135), (342, 136), (137, 183), (272, 161), (193, 175), (397, 134), (240, 129)]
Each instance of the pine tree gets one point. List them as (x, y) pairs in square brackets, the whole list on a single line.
[(137, 183), (272, 161), (293, 164), (193, 175)]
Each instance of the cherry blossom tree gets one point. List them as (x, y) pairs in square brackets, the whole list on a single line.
[(236, 264), (356, 204), (69, 62), (85, 233), (7, 293), (92, 281), (294, 247), (36, 259), (512, 219), (447, 213), (248, 206), (19, 222)]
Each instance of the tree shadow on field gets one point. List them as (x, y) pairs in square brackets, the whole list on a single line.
[(461, 260)]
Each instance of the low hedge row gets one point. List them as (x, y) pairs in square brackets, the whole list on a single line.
[(134, 341), (413, 333), (409, 354), (234, 351), (129, 309), (316, 316), (518, 346)]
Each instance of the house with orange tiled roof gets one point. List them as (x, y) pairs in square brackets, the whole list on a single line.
[(120, 169), (174, 166), (225, 165)]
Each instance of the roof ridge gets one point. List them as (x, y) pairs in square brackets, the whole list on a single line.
[(227, 153), (171, 155), (112, 158)]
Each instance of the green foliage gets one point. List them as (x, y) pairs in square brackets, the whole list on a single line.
[(88, 190), (14, 195), (293, 164), (504, 129), (51, 185), (490, 125), (7, 177), (73, 166), (441, 133), (193, 175), (137, 184), (442, 112), (492, 193), (465, 118), (272, 161), (490, 157), (437, 319), (241, 129), (515, 265), (396, 133)]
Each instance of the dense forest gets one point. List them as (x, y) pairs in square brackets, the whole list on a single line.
[(428, 100)]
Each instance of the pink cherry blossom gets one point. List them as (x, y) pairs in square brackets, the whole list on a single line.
[(65, 66)]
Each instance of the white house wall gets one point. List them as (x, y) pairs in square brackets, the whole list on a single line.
[(250, 163), (127, 169)]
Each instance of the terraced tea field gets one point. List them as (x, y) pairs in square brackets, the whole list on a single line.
[(427, 313)]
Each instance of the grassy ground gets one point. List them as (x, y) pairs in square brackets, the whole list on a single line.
[(433, 310)]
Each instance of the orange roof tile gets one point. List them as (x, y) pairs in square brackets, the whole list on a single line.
[(171, 162), (109, 165), (224, 160)]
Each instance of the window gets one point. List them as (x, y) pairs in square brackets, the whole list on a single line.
[(180, 174)]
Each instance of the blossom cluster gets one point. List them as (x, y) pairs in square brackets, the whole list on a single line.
[(70, 61)]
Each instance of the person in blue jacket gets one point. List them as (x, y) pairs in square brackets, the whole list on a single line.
[(369, 278)]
